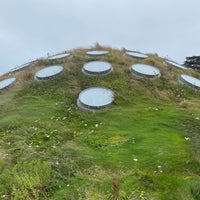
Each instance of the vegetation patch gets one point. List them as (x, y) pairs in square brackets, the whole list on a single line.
[(144, 146)]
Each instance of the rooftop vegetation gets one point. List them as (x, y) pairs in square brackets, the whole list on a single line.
[(144, 146)]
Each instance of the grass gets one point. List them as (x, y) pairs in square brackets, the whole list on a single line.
[(135, 149)]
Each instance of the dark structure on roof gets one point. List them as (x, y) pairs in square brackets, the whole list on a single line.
[(193, 62)]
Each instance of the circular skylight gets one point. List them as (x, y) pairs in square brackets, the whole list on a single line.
[(174, 64), (190, 81), (7, 82), (95, 98), (26, 65), (59, 56), (48, 72), (136, 55), (96, 68), (145, 70), (96, 53)]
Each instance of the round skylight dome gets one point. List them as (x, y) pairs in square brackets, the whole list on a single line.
[(95, 98), (6, 83), (174, 64), (59, 56), (190, 81), (48, 72), (95, 68), (144, 70), (96, 53), (136, 55), (26, 65)]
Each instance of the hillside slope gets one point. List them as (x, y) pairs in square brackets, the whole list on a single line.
[(144, 146)]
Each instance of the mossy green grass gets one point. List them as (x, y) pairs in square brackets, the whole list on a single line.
[(144, 146)]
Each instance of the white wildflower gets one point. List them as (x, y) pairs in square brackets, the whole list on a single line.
[(187, 138), (92, 131)]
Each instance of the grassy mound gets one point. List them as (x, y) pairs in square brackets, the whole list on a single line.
[(145, 146)]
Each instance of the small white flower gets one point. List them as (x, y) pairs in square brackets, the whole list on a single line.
[(64, 118), (57, 163), (187, 138), (96, 125), (92, 131), (135, 159)]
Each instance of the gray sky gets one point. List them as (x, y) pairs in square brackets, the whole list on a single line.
[(30, 29)]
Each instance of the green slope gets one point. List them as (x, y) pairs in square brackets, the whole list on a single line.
[(145, 146)]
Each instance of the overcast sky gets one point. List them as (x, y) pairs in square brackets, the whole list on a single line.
[(30, 29)]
